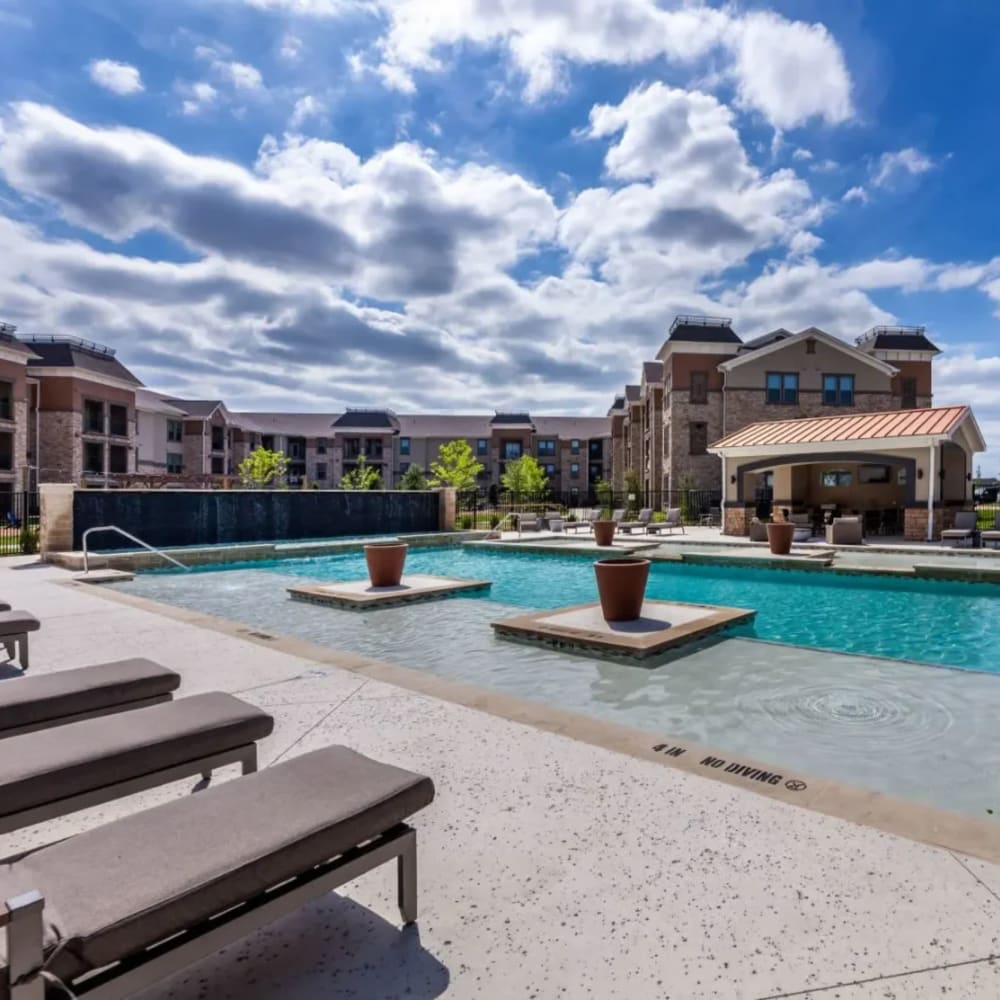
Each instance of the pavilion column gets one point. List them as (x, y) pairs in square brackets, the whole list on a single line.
[(930, 493)]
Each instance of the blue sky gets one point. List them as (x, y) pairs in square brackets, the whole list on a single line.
[(493, 203)]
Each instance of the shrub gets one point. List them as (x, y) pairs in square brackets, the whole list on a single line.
[(465, 522), (659, 517), (494, 520), (571, 516), (29, 540)]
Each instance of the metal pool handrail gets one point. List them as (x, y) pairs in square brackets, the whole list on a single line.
[(131, 538)]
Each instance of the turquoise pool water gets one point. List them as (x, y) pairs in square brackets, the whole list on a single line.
[(929, 621)]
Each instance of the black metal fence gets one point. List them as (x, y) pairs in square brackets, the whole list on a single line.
[(18, 523), (476, 509)]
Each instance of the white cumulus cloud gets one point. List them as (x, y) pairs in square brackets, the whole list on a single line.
[(118, 77), (904, 162)]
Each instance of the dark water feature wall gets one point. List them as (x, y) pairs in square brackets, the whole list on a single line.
[(215, 517)]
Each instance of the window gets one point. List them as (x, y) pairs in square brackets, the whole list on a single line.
[(320, 475), (596, 448), (175, 430), (373, 447), (175, 463), (297, 448), (118, 458), (546, 448), (404, 466), (550, 468), (837, 477), (873, 474), (218, 439), (698, 392), (574, 470), (574, 446), (782, 387), (511, 450), (321, 444), (595, 471), (838, 390), (93, 458), (6, 451), (697, 437), (811, 346), (218, 466), (93, 416), (482, 446), (267, 442), (909, 392), (6, 400), (352, 447), (118, 420), (404, 446)]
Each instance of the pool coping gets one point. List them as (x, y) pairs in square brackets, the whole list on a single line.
[(890, 814)]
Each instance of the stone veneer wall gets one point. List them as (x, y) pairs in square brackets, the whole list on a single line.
[(736, 520), (61, 446), (915, 522), (20, 472)]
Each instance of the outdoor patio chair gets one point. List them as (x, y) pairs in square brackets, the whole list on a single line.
[(618, 516), (668, 524), (528, 522), (585, 523), (64, 696), (640, 523), (845, 531), (964, 530), (803, 526), (142, 897), (58, 771), (757, 530), (14, 629), (991, 536)]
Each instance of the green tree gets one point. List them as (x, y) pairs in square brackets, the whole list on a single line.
[(456, 466), (605, 495), (524, 475), (413, 479), (362, 477), (633, 488), (263, 468)]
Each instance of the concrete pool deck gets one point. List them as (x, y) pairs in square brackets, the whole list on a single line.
[(550, 866)]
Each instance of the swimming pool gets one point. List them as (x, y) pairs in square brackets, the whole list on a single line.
[(928, 621)]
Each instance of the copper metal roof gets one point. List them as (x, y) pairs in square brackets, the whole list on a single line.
[(849, 427)]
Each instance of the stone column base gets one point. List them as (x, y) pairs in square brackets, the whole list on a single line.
[(915, 522), (736, 520)]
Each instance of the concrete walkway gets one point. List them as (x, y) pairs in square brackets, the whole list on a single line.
[(550, 868)]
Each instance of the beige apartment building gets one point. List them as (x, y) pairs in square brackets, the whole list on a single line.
[(707, 383)]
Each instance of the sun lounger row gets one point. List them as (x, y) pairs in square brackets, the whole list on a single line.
[(108, 912)]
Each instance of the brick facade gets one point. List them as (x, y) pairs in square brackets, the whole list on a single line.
[(61, 446)]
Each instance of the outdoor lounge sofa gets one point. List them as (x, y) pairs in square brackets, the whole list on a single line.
[(63, 696), (58, 771), (640, 523), (845, 531), (964, 530), (672, 520), (14, 629), (991, 536), (145, 896)]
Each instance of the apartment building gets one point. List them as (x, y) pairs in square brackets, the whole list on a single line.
[(707, 382), (14, 405)]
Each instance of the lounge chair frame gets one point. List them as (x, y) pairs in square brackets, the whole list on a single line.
[(93, 714), (16, 646), (244, 755), (23, 919)]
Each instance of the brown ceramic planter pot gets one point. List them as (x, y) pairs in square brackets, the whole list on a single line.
[(621, 585), (779, 537), (604, 532), (385, 563)]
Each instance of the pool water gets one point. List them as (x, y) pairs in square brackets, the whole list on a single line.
[(929, 621)]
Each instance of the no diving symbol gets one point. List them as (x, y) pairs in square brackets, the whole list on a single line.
[(794, 785)]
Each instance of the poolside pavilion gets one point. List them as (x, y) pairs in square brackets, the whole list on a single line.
[(905, 472)]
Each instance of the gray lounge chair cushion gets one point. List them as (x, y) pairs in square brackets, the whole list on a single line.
[(118, 888), (54, 764), (965, 525), (17, 623), (25, 701), (4, 606)]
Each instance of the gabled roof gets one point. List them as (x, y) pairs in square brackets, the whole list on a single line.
[(810, 333), (154, 402), (632, 393), (573, 428), (289, 424), (444, 425), (941, 422), (200, 409), (766, 339), (703, 330), (83, 355)]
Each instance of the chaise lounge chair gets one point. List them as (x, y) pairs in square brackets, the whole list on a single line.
[(46, 700), (641, 523), (671, 521), (145, 896), (14, 629), (585, 524), (964, 530), (991, 536), (82, 764)]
